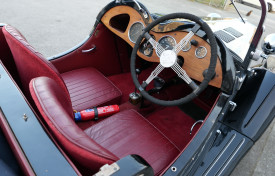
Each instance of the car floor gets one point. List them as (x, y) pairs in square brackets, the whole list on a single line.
[(173, 122)]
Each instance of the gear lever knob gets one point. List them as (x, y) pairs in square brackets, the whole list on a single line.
[(138, 71)]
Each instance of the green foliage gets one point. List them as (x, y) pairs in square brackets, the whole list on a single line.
[(203, 1), (215, 3)]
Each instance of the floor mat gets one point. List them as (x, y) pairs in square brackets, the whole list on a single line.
[(124, 83), (171, 121), (174, 124)]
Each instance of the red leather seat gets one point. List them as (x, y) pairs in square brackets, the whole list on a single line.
[(89, 85), (120, 135), (77, 83)]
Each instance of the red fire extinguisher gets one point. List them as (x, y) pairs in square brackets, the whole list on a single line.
[(96, 113)]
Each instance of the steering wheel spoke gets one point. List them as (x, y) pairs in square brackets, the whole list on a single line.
[(183, 42), (153, 75), (186, 39), (159, 49), (183, 75)]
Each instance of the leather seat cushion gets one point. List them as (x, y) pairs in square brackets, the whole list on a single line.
[(89, 88), (128, 133), (56, 109)]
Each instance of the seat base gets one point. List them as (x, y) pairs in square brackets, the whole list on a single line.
[(89, 88), (129, 133)]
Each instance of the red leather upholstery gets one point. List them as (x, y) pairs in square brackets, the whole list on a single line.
[(56, 109), (29, 62), (89, 88), (128, 133), (6, 56), (120, 135), (86, 86), (104, 58)]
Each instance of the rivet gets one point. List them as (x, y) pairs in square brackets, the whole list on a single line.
[(25, 117), (174, 169)]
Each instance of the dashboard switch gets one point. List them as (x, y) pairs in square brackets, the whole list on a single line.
[(194, 42)]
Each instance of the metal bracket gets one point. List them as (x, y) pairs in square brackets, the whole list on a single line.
[(108, 169), (233, 105), (258, 54), (145, 14)]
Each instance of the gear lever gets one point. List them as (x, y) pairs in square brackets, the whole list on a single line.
[(135, 97), (138, 71)]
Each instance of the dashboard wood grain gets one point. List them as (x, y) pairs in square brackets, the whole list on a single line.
[(193, 66)]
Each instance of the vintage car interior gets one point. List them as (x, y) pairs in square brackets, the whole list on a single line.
[(165, 73)]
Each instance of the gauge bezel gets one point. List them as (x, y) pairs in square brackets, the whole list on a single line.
[(190, 46), (131, 28), (164, 37), (201, 57)]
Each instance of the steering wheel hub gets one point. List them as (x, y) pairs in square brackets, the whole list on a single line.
[(168, 58)]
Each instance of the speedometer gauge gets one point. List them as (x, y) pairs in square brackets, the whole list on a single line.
[(201, 52), (135, 31), (167, 43)]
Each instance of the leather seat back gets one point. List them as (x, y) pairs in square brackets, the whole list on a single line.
[(30, 63), (56, 109)]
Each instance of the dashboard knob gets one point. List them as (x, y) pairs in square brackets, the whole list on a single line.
[(138, 71), (194, 42)]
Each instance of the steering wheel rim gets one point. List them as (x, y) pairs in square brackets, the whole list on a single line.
[(211, 67)]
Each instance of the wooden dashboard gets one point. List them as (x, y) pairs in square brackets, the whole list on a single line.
[(120, 19)]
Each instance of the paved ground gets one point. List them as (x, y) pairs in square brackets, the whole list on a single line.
[(54, 26)]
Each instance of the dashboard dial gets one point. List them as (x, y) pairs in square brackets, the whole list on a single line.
[(149, 50), (135, 31), (167, 42), (146, 47), (201, 52), (187, 47)]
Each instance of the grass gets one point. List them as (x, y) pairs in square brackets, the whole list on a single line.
[(215, 3)]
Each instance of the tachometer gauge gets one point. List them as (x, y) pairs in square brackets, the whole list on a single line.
[(187, 47), (201, 52), (135, 31), (167, 42)]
